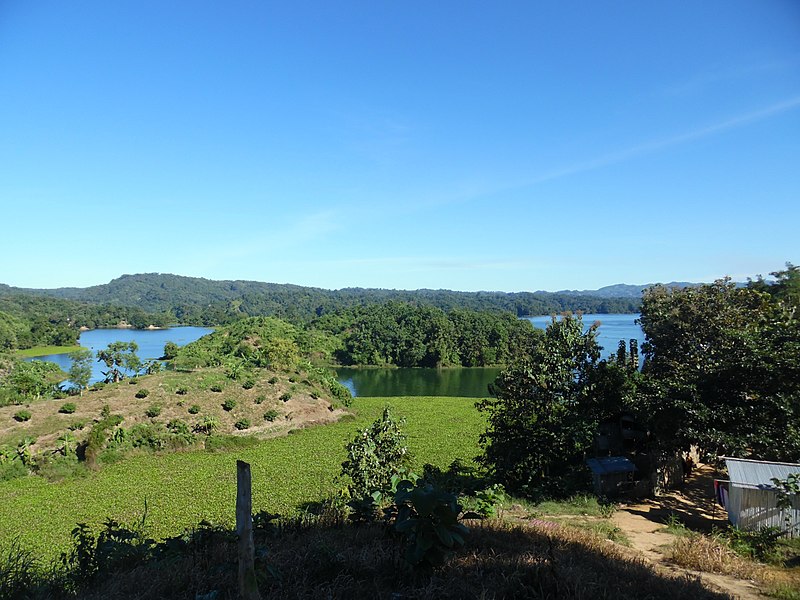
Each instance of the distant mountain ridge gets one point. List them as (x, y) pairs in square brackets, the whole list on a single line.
[(199, 300), (624, 290)]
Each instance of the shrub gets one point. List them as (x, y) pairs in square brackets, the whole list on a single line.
[(178, 427), (271, 415), (216, 388), (23, 415), (97, 386), (272, 380), (76, 425), (377, 453), (242, 424), (292, 379), (133, 380), (229, 404), (181, 391), (153, 411), (428, 518), (68, 408), (286, 396), (260, 399), (248, 384), (142, 393), (207, 425), (194, 409)]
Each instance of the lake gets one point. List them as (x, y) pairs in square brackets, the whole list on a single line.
[(472, 383), (151, 344)]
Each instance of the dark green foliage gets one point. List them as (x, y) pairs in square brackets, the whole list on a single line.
[(23, 415), (170, 350), (285, 397), (248, 384), (242, 424), (272, 380), (153, 411), (76, 425), (538, 430), (96, 387), (229, 404), (377, 454), (194, 409), (260, 399), (142, 393), (722, 368), (409, 335), (181, 391), (197, 301), (271, 415), (133, 380), (759, 545), (216, 388), (428, 519), (68, 408)]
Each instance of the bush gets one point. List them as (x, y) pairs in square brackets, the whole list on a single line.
[(242, 424), (286, 396), (178, 427), (23, 415), (428, 518), (76, 425), (207, 425), (260, 399), (216, 388), (68, 408), (153, 411), (97, 386), (376, 454), (248, 384), (271, 415), (142, 393), (272, 380), (181, 391), (229, 404), (133, 380), (194, 409)]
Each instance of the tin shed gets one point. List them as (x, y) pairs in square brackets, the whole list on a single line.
[(611, 475), (751, 497)]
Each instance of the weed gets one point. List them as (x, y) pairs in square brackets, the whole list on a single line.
[(22, 415), (153, 411), (68, 408)]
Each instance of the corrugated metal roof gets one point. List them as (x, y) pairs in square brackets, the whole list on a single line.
[(610, 464), (757, 473)]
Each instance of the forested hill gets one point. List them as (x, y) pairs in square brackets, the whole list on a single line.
[(197, 300)]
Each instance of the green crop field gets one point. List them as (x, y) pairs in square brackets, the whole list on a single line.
[(45, 350), (183, 488)]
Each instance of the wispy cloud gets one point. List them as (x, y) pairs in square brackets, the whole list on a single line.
[(676, 140)]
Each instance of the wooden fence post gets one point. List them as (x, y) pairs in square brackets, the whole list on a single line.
[(248, 585)]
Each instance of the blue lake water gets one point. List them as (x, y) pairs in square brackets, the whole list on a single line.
[(151, 343), (361, 382), (613, 328)]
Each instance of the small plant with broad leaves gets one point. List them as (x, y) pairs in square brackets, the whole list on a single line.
[(428, 518), (229, 404)]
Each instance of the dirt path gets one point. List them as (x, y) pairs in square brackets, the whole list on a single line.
[(643, 524)]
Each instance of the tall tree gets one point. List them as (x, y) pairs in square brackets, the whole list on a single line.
[(536, 425), (81, 370), (119, 357), (722, 368)]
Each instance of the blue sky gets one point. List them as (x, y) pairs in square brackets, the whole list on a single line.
[(462, 145)]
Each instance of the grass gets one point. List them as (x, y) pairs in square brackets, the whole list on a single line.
[(45, 350), (184, 488)]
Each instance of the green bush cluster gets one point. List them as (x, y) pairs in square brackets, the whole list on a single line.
[(68, 408)]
